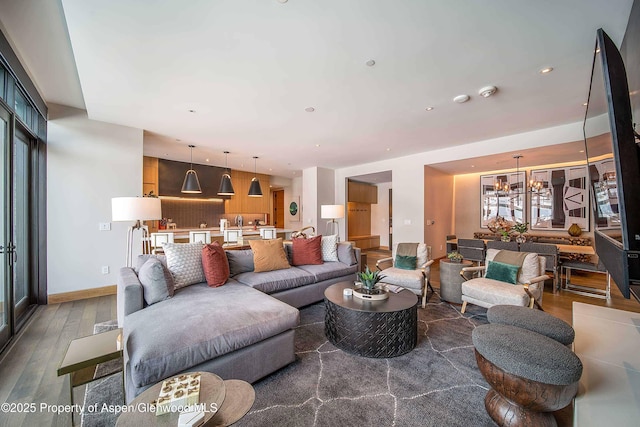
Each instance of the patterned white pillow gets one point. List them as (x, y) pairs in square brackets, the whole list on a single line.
[(330, 248), (184, 261)]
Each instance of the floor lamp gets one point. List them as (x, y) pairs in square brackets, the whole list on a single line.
[(136, 209), (332, 212)]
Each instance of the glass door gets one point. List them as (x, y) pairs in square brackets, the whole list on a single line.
[(20, 236), (5, 317)]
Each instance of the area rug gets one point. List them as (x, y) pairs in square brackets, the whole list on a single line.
[(436, 384)]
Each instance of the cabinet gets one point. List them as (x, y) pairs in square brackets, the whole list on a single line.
[(241, 203), (360, 192), (149, 175)]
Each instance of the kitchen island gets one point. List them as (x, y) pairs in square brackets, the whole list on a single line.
[(248, 233)]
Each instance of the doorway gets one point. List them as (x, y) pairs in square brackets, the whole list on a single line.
[(17, 291), (278, 208)]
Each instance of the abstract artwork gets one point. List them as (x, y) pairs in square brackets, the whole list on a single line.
[(502, 195), (294, 209), (559, 198)]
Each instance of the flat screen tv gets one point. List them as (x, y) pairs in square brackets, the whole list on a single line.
[(613, 157)]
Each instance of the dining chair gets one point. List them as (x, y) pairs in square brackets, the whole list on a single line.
[(451, 246), (499, 244), (200, 237), (157, 239), (472, 249)]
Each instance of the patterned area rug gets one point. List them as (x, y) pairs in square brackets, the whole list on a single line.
[(436, 384)]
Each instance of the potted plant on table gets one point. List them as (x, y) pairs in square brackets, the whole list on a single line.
[(455, 256), (521, 228), (368, 280)]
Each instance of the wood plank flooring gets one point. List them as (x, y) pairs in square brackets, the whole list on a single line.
[(28, 367)]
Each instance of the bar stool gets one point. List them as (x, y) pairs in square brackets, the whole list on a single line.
[(200, 237), (157, 239)]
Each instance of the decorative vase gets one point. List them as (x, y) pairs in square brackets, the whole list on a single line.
[(520, 238), (506, 238), (574, 230)]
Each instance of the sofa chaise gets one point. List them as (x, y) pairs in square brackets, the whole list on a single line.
[(243, 329)]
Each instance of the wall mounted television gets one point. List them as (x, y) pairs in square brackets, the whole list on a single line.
[(613, 157)]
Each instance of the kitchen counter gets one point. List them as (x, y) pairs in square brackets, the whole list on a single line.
[(183, 233)]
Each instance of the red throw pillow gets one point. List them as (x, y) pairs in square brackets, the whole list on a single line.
[(215, 265), (307, 251)]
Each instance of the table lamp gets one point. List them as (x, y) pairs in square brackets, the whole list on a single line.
[(136, 209), (332, 212)]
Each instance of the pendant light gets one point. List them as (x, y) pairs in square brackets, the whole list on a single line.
[(226, 188), (254, 189), (191, 183)]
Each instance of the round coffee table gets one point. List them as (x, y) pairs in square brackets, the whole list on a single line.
[(232, 398), (385, 328)]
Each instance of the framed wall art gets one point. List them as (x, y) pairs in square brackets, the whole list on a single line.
[(503, 195), (559, 198), (294, 209)]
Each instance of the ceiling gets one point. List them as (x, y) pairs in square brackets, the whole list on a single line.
[(237, 75)]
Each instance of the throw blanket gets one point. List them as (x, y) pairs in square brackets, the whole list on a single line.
[(511, 257)]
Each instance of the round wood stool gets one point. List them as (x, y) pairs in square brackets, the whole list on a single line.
[(530, 375)]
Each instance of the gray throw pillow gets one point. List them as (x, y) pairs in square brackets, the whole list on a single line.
[(346, 254), (145, 257), (184, 261), (157, 282), (240, 261)]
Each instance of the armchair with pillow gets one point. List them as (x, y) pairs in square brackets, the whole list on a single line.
[(409, 267), (510, 278)]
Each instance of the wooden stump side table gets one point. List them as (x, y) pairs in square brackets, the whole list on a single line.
[(451, 281)]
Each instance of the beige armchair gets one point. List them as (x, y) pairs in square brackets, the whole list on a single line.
[(415, 280), (486, 292)]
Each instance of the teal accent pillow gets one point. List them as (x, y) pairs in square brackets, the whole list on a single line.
[(502, 272), (405, 262)]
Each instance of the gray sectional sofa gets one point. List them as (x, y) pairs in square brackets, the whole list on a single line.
[(243, 329)]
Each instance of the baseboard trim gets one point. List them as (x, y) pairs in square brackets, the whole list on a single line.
[(83, 294)]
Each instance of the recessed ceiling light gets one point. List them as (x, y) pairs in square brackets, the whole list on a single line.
[(584, 104), (487, 91), (309, 109), (317, 145), (546, 70), (388, 149), (370, 63), (270, 169), (206, 160), (581, 151), (429, 108), (461, 99), (473, 166)]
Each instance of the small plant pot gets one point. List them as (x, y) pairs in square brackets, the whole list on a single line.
[(505, 238)]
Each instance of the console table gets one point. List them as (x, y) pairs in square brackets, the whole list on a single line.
[(608, 344)]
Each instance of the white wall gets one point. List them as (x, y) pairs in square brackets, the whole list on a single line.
[(325, 196), (88, 163), (291, 191), (380, 214), (408, 172)]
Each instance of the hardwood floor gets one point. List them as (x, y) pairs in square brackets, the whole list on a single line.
[(28, 367)]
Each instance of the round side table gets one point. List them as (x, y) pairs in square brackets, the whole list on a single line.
[(451, 281)]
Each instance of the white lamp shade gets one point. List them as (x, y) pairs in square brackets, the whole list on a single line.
[(331, 211), (135, 208)]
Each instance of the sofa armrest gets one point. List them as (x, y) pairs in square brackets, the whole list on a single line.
[(130, 295)]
